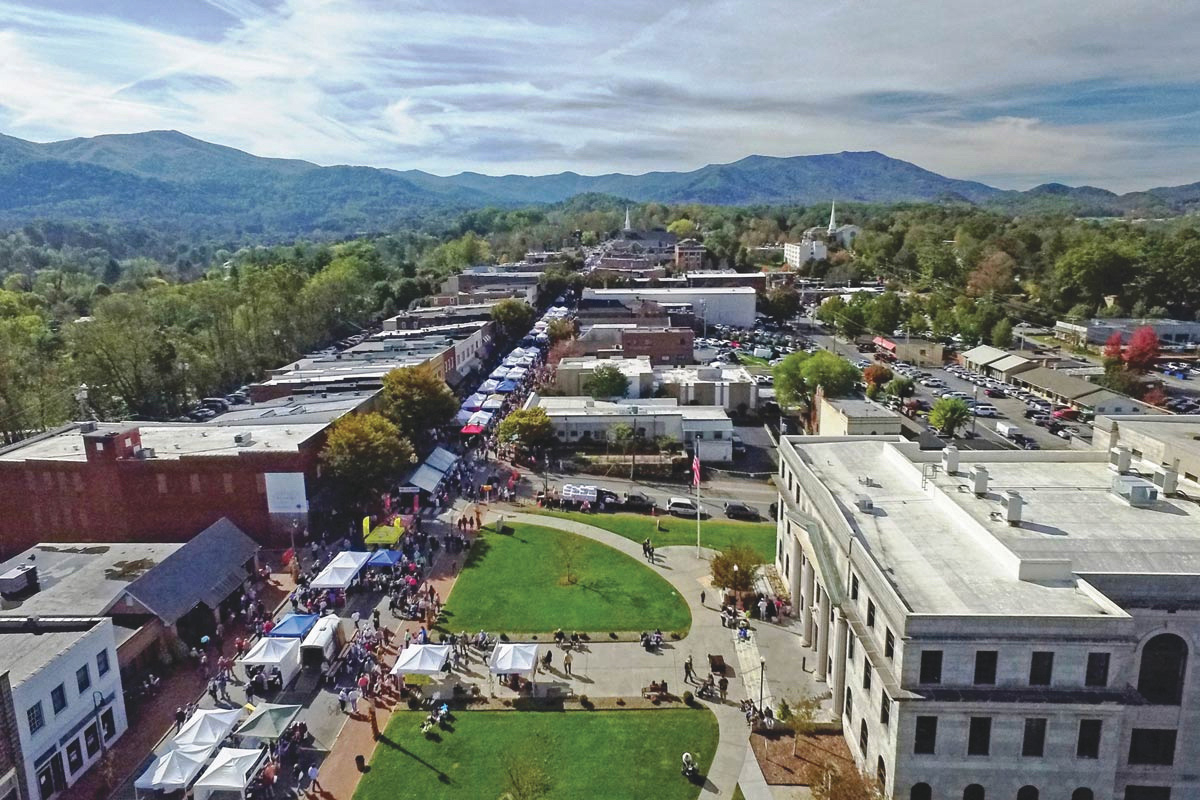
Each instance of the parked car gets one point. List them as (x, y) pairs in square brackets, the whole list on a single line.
[(993, 391), (684, 507), (986, 410), (1066, 413), (639, 502), (739, 446), (739, 510)]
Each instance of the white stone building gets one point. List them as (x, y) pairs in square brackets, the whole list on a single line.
[(797, 254), (999, 624)]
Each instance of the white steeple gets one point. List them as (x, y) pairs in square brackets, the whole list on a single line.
[(832, 223), (628, 224)]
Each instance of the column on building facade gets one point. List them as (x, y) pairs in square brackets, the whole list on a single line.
[(822, 623), (807, 585), (841, 633)]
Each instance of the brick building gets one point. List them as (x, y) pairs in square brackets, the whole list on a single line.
[(146, 482), (689, 255), (661, 344)]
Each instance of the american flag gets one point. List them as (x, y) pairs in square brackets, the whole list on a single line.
[(695, 470)]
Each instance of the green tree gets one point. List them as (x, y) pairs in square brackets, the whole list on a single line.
[(949, 414), (782, 303), (1002, 334), (560, 330), (606, 381), (530, 428), (883, 313), (834, 374), (363, 455), (900, 387), (790, 387), (417, 401), (683, 228), (513, 317), (1089, 271), (741, 579), (524, 778)]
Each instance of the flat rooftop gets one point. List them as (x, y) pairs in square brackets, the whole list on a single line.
[(860, 409), (586, 406), (170, 440), (681, 292), (950, 552), (24, 652), (296, 408)]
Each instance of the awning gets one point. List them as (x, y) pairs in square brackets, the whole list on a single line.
[(422, 659), (384, 558), (427, 478), (442, 459), (472, 403), (463, 415), (226, 585), (509, 658), (385, 535), (499, 373), (506, 387), (282, 653), (268, 721), (486, 388), (173, 770), (494, 403), (471, 430), (481, 418), (230, 771), (207, 728), (517, 374), (886, 344), (341, 571)]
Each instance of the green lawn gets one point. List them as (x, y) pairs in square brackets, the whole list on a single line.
[(515, 584), (582, 754), (715, 534)]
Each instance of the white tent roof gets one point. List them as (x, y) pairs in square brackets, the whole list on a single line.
[(207, 727), (422, 659), (510, 658), (269, 652), (174, 769), (229, 771), (339, 573)]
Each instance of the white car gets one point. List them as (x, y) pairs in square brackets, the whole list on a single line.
[(986, 410), (934, 383), (684, 507)]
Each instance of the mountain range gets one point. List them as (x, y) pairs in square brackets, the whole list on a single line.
[(167, 178)]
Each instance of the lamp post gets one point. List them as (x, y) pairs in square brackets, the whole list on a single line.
[(762, 675), (974, 416)]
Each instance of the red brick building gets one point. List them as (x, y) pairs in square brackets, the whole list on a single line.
[(147, 482), (663, 346)]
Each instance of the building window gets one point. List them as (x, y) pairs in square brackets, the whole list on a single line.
[(1041, 668), (1034, 744), (58, 698), (866, 674), (1152, 746), (1088, 744), (227, 479), (979, 736), (102, 663), (74, 757), (1027, 793), (1083, 793), (862, 737), (931, 666), (985, 667), (36, 720), (848, 707), (870, 614), (885, 710), (1097, 670), (920, 791), (83, 678), (1164, 666), (973, 792), (925, 740), (162, 483), (1133, 792), (195, 482), (881, 772), (889, 644), (853, 587)]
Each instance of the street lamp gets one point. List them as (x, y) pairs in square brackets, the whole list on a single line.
[(762, 675)]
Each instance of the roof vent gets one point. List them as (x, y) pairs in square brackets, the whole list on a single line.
[(1012, 507), (242, 439), (950, 460), (1119, 459), (87, 427), (864, 502), (1138, 492), (1167, 479), (979, 480), (146, 452)]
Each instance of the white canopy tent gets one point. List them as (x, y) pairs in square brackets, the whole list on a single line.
[(341, 571), (422, 659), (229, 771), (173, 770), (268, 652), (510, 658), (207, 728)]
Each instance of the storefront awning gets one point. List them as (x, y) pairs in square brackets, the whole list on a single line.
[(886, 344)]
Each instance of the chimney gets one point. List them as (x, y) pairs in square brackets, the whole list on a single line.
[(1119, 459), (979, 480), (950, 460), (1012, 507)]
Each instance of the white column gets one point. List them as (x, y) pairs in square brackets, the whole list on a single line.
[(841, 632), (807, 585), (822, 623)]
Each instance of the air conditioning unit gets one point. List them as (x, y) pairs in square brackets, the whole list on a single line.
[(242, 439), (146, 452), (864, 502)]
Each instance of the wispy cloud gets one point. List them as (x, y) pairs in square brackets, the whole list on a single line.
[(1014, 93)]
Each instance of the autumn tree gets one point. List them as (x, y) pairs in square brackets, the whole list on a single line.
[(994, 275), (1142, 352), (1114, 349), (735, 568), (417, 401), (363, 455), (876, 375), (560, 330), (606, 381)]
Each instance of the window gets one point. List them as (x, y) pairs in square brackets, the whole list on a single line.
[(973, 792), (36, 720), (58, 698), (227, 479), (850, 649), (925, 740), (1088, 745), (1164, 666), (862, 737), (889, 645), (1034, 744), (1041, 668), (985, 667), (102, 663), (83, 678), (979, 736), (1133, 792), (1027, 793), (870, 614), (162, 484), (848, 707), (920, 791), (931, 666), (885, 710), (881, 771), (1152, 746), (1083, 793), (74, 756), (194, 480), (1097, 670), (866, 674), (853, 587)]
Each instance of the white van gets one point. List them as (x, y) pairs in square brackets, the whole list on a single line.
[(684, 507)]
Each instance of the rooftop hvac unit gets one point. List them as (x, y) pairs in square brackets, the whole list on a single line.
[(87, 427), (979, 480), (146, 452), (1012, 507), (1138, 492), (242, 439), (1119, 459), (1167, 479), (864, 502), (950, 460)]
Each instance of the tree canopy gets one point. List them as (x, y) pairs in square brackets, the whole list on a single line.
[(530, 428), (949, 414), (417, 401), (735, 568), (363, 455), (606, 381), (513, 317)]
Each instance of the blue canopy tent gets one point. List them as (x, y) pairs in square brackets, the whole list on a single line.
[(507, 387), (473, 402), (294, 626), (384, 558)]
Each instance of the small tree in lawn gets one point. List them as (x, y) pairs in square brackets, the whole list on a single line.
[(735, 569), (524, 780), (1142, 352), (949, 414), (569, 548)]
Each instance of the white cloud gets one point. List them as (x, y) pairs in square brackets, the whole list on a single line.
[(597, 86)]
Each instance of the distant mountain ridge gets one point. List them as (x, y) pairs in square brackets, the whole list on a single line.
[(171, 179)]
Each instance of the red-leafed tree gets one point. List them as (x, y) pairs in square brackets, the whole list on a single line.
[(1142, 351), (1155, 396), (877, 374), (1112, 347)]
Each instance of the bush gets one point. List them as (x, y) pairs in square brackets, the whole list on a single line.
[(689, 699)]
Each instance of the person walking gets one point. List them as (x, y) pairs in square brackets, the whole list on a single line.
[(212, 689), (180, 718), (354, 701), (723, 686), (313, 772), (687, 670), (567, 660), (343, 698), (354, 619), (702, 596)]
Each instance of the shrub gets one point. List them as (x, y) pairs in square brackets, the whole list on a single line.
[(689, 699)]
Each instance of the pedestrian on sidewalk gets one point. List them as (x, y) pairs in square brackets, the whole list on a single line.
[(343, 698), (702, 596), (567, 660), (687, 670), (354, 619), (212, 689), (313, 772), (180, 718), (354, 701), (723, 685), (375, 618)]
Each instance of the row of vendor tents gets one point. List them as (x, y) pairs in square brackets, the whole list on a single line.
[(431, 659), (186, 762)]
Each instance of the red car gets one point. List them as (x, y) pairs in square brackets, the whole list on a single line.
[(1066, 413)]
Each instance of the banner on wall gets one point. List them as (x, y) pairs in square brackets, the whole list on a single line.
[(286, 493)]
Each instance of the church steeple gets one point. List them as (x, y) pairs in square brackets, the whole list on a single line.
[(628, 224), (832, 223)]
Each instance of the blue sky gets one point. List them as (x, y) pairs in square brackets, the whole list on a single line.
[(1014, 93)]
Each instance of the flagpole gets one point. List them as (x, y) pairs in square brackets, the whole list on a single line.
[(696, 470)]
